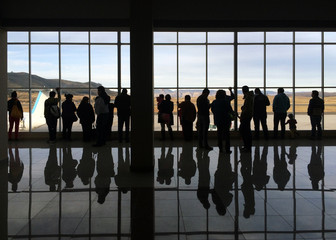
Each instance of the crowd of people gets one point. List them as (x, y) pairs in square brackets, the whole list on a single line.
[(254, 107)]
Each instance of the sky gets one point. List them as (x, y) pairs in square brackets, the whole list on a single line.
[(188, 59)]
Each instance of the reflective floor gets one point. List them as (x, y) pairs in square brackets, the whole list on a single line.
[(283, 189)]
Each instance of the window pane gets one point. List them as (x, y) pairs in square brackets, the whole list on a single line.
[(279, 37), (74, 64), (191, 37), (250, 37), (329, 65), (220, 66), (103, 37), (125, 67), (330, 108), (44, 66), (220, 37), (307, 65), (279, 66), (75, 37), (125, 37), (44, 36), (330, 37), (308, 37), (165, 37), (165, 66), (250, 65), (38, 96), (17, 36), (192, 66), (18, 66), (104, 66)]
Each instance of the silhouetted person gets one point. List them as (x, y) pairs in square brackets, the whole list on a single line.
[(245, 118), (52, 170), (69, 168), (315, 167), (315, 111), (15, 112), (15, 168), (259, 172), (166, 108), (50, 118), (165, 166), (260, 103), (110, 120), (102, 110), (224, 178), (221, 110), (68, 116), (187, 117), (232, 95), (292, 126), (105, 170), (281, 175), (123, 105), (292, 154), (280, 106), (203, 190), (247, 186), (203, 119), (86, 166), (187, 164), (122, 178), (86, 115)]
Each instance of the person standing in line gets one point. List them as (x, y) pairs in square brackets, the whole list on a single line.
[(315, 111), (68, 116), (261, 101), (245, 118), (292, 126), (123, 105), (102, 111), (281, 104), (15, 110), (221, 110), (86, 118), (203, 119), (51, 119), (187, 116), (166, 110)]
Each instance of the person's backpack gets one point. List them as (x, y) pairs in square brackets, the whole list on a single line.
[(16, 113), (55, 111)]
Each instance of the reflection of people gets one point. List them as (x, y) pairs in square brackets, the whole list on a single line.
[(102, 111), (315, 111), (69, 168), (166, 166), (280, 106), (188, 115), (203, 190), (122, 178), (15, 111), (105, 170), (166, 108), (247, 187), (315, 167), (261, 101), (68, 116), (187, 164), (245, 118), (260, 177), (292, 154), (203, 119), (281, 175), (86, 166), (123, 105), (224, 178), (52, 171), (15, 168), (86, 115), (50, 118)]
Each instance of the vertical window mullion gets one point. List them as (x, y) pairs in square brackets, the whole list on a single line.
[(293, 87), (29, 80), (322, 72)]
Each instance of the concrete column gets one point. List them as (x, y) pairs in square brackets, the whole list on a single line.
[(3, 136), (141, 37)]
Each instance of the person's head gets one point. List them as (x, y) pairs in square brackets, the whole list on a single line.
[(124, 91), (315, 185), (290, 116), (206, 91), (85, 99), (257, 91), (100, 89), (187, 98), (281, 90), (14, 187), (161, 96), (52, 94), (245, 89), (14, 94), (68, 96), (315, 93), (220, 94), (168, 97)]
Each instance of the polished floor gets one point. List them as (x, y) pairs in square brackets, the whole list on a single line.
[(283, 189)]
